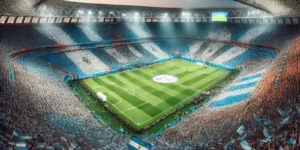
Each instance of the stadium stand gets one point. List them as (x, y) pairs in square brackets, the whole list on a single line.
[(287, 7), (43, 107), (239, 90), (264, 102)]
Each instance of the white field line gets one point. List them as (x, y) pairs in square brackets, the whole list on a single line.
[(125, 115), (133, 94), (116, 98), (111, 83), (112, 93), (177, 104), (169, 108), (123, 112), (128, 90), (187, 87), (139, 124), (134, 107), (185, 69), (163, 111)]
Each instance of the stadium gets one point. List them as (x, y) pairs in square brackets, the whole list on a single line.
[(96, 74)]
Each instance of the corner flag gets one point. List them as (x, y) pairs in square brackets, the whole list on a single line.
[(137, 144)]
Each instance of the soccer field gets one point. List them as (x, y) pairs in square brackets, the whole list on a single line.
[(139, 100)]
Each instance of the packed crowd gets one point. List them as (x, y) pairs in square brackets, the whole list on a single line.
[(286, 7), (209, 124), (44, 108)]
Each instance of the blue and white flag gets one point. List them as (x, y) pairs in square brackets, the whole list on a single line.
[(137, 144), (267, 122), (285, 121), (241, 130), (21, 146), (266, 133), (282, 112), (245, 145), (257, 120), (265, 140)]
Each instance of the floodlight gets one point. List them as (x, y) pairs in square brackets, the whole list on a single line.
[(186, 14), (80, 11), (165, 15), (90, 13), (136, 14)]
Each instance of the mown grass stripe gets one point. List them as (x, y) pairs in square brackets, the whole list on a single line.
[(150, 109), (133, 100), (131, 94), (155, 71), (140, 90), (137, 116), (173, 87), (162, 87), (163, 105), (149, 83), (210, 79), (154, 91), (193, 80), (100, 82), (194, 74), (198, 78), (112, 97), (115, 80), (185, 73), (123, 106)]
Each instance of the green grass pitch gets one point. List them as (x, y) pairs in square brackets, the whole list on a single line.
[(139, 101)]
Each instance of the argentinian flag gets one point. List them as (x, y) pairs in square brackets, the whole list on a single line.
[(137, 144)]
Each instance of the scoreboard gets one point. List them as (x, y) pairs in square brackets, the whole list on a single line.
[(219, 16)]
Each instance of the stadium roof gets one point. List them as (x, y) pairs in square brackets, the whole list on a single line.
[(169, 3), (236, 8)]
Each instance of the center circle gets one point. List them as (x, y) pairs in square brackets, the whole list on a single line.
[(165, 79)]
